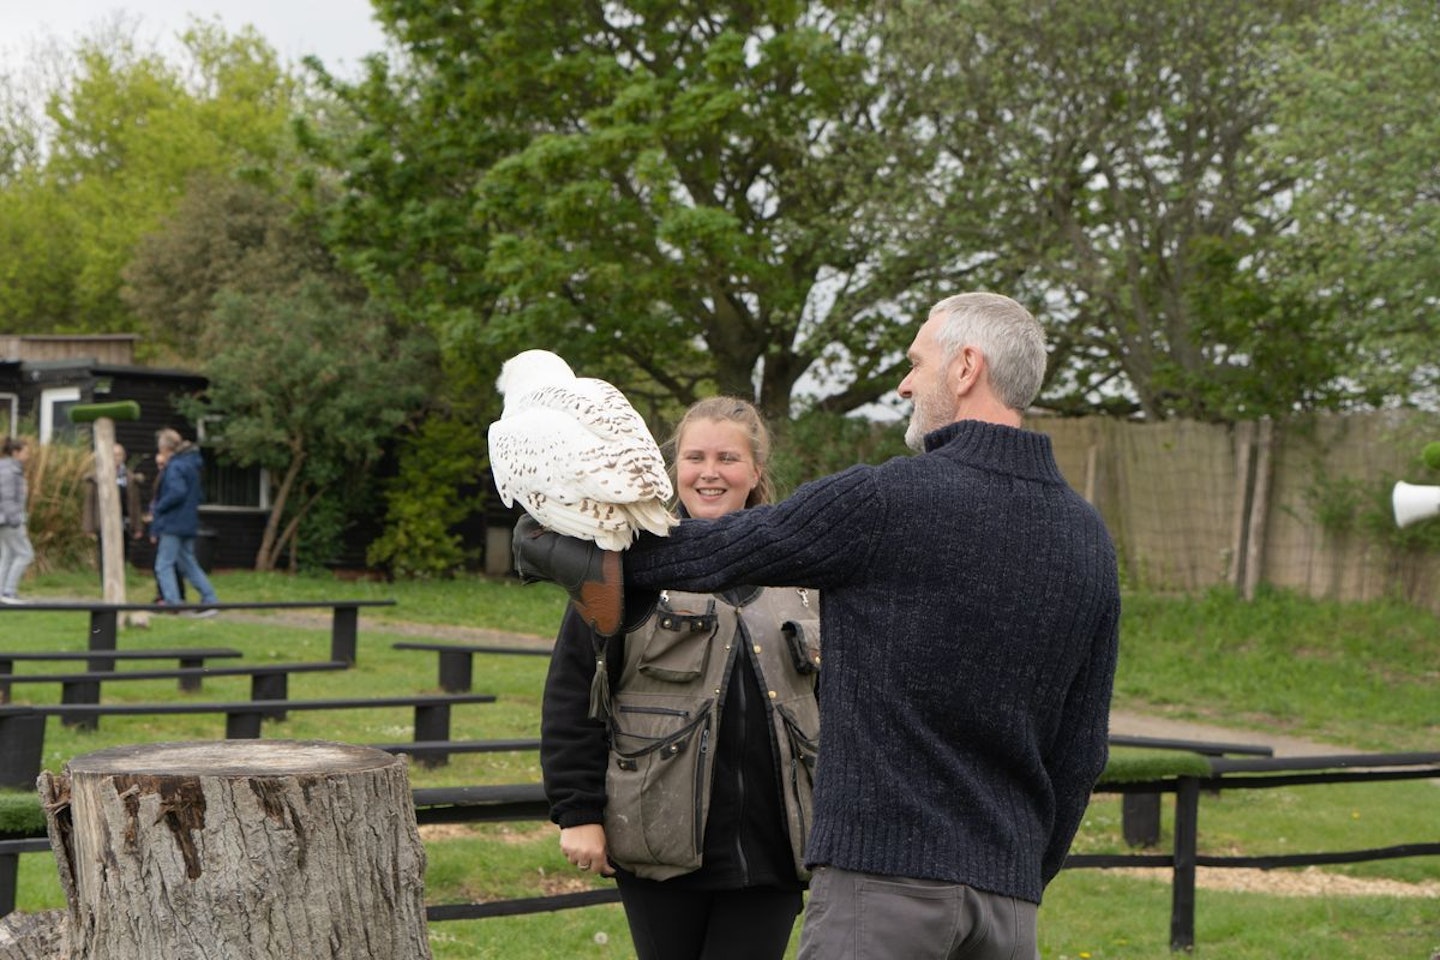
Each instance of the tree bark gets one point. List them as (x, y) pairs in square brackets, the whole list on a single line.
[(239, 850), (33, 936)]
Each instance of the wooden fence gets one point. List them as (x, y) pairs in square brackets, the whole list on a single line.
[(1301, 504)]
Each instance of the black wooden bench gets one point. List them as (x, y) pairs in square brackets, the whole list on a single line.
[(1253, 773), (432, 753), (490, 804), (497, 804), (22, 728), (268, 681), (105, 617), (1140, 812), (104, 660), (526, 801), (457, 659)]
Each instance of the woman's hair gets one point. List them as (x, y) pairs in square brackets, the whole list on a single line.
[(13, 445), (731, 410)]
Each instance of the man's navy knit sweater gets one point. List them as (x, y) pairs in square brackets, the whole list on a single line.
[(969, 620)]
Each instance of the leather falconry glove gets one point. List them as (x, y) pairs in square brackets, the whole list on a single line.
[(593, 577)]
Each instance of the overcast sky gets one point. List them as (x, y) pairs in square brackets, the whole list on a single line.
[(339, 32)]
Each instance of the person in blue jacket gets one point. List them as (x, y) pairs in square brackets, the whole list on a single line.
[(175, 520)]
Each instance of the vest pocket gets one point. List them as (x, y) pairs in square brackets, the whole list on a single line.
[(802, 640), (655, 783), (799, 750), (678, 649)]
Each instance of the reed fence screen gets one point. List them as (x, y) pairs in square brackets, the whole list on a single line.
[(1300, 504)]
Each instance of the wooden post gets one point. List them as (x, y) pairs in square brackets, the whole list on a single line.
[(1244, 458), (107, 498), (1259, 509), (1092, 467), (238, 850)]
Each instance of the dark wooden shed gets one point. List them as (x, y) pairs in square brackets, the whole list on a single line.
[(43, 377)]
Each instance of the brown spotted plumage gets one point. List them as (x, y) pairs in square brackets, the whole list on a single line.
[(575, 455)]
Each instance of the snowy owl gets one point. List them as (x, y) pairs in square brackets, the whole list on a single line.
[(576, 455)]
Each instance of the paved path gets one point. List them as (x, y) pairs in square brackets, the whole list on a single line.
[(1127, 723)]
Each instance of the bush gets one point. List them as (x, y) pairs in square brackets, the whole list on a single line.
[(818, 444), (437, 488), (60, 477)]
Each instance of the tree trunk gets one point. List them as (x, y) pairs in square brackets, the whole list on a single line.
[(265, 556), (238, 850)]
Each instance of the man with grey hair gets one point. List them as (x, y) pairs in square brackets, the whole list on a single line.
[(969, 627)]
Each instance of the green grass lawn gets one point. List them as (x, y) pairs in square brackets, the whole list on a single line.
[(1359, 675)]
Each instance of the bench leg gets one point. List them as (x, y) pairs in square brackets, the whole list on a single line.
[(1140, 819), (80, 692), (271, 686), (191, 684), (243, 725), (344, 627), (102, 635), (1182, 905), (456, 670), (9, 881), (22, 745), (432, 722), (7, 667)]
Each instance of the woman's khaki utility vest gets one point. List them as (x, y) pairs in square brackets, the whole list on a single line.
[(663, 716)]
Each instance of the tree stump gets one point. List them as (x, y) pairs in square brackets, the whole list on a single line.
[(33, 936), (239, 850)]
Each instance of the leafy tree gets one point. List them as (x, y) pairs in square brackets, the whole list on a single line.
[(309, 387), (225, 234), (1118, 145), (684, 198), (120, 141), (1357, 125), (762, 198), (436, 489), (38, 258)]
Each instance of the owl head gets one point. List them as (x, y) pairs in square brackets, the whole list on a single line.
[(531, 370)]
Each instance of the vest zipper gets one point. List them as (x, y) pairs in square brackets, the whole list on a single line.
[(699, 792), (660, 711)]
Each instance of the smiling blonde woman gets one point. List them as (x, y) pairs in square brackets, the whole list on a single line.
[(678, 756)]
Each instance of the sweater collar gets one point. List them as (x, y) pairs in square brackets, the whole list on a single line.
[(995, 447)]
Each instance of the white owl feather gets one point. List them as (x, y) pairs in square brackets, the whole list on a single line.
[(575, 455)]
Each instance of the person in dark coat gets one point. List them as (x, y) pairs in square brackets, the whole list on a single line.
[(175, 520)]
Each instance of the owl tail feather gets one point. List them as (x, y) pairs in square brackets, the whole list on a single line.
[(651, 515)]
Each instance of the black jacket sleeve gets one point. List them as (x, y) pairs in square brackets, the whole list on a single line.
[(573, 747)]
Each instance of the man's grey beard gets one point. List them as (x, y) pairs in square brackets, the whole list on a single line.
[(915, 433)]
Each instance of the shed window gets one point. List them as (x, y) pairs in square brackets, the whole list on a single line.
[(55, 406), (9, 414), (228, 486)]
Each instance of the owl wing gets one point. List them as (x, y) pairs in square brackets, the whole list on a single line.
[(616, 430), (575, 465)]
